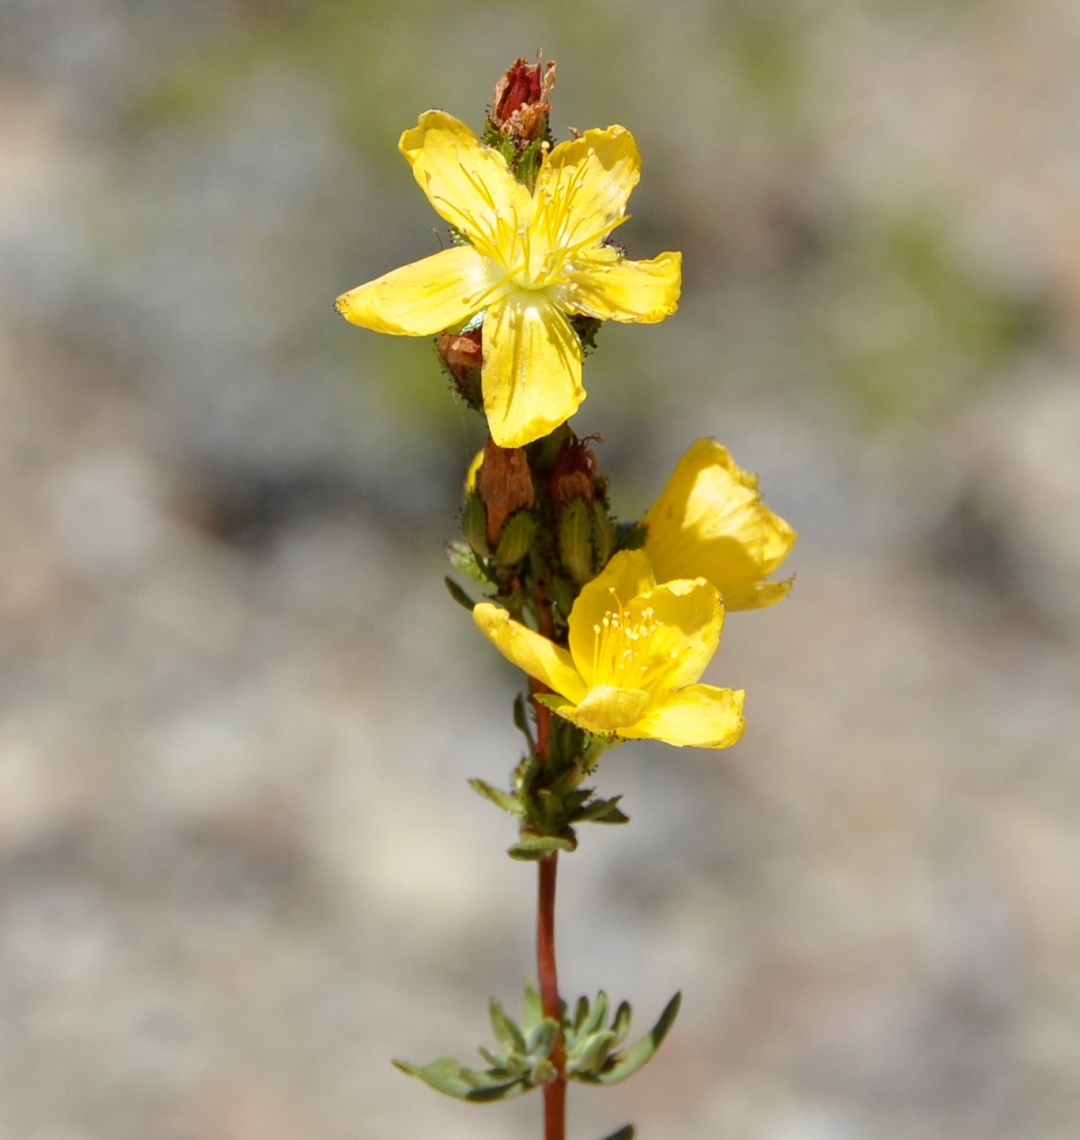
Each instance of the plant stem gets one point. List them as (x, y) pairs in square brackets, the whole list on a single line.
[(554, 1091)]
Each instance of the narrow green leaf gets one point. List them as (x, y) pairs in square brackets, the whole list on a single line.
[(532, 1009), (538, 846), (542, 1039), (506, 1030), (624, 1133), (450, 1077), (590, 1053), (601, 811), (581, 1011), (462, 558), (624, 1064), (620, 1023), (521, 720), (596, 1015), (458, 594), (509, 803)]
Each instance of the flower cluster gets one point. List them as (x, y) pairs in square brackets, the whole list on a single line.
[(615, 626)]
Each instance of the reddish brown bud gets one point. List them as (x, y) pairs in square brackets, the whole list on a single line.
[(573, 475), (521, 103), (462, 353), (504, 486)]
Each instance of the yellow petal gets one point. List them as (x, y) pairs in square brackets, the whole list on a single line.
[(758, 595), (536, 655), (422, 298), (466, 182), (607, 709), (628, 574), (689, 618), (583, 185), (710, 522), (613, 288), (699, 716), (532, 370)]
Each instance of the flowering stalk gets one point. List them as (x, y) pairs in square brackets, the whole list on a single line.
[(612, 624)]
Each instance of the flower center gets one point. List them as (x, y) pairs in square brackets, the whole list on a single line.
[(633, 648)]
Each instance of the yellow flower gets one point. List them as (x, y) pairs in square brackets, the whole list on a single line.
[(635, 651), (710, 522), (530, 260)]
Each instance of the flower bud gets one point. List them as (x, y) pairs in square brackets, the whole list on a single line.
[(504, 485), (520, 105), (573, 475), (462, 356)]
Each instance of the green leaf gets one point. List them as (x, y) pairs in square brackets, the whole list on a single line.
[(626, 1063), (532, 847), (509, 803), (542, 1039), (624, 1133), (521, 720), (581, 1011), (459, 595), (532, 1008), (590, 1053), (620, 1023), (506, 1031), (601, 811), (449, 1076), (463, 559), (596, 1015)]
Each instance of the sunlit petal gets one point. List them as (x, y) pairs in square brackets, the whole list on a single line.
[(466, 182), (711, 522), (688, 619), (583, 186), (699, 716), (537, 656), (613, 288), (532, 370), (422, 298)]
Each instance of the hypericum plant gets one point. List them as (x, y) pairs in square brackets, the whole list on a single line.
[(613, 624)]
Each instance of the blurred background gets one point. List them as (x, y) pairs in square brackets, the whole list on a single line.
[(239, 864)]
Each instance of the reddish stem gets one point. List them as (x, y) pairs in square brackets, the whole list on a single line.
[(554, 1091)]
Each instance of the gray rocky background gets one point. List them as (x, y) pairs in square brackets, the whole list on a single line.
[(239, 865)]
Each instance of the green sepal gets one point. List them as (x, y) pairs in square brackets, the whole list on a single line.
[(624, 1133), (563, 595), (474, 525), (535, 847), (625, 1063), (576, 544), (459, 595), (509, 803), (516, 539), (449, 1076)]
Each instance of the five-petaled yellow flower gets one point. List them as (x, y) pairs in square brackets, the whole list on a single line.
[(531, 259), (635, 651), (710, 522)]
